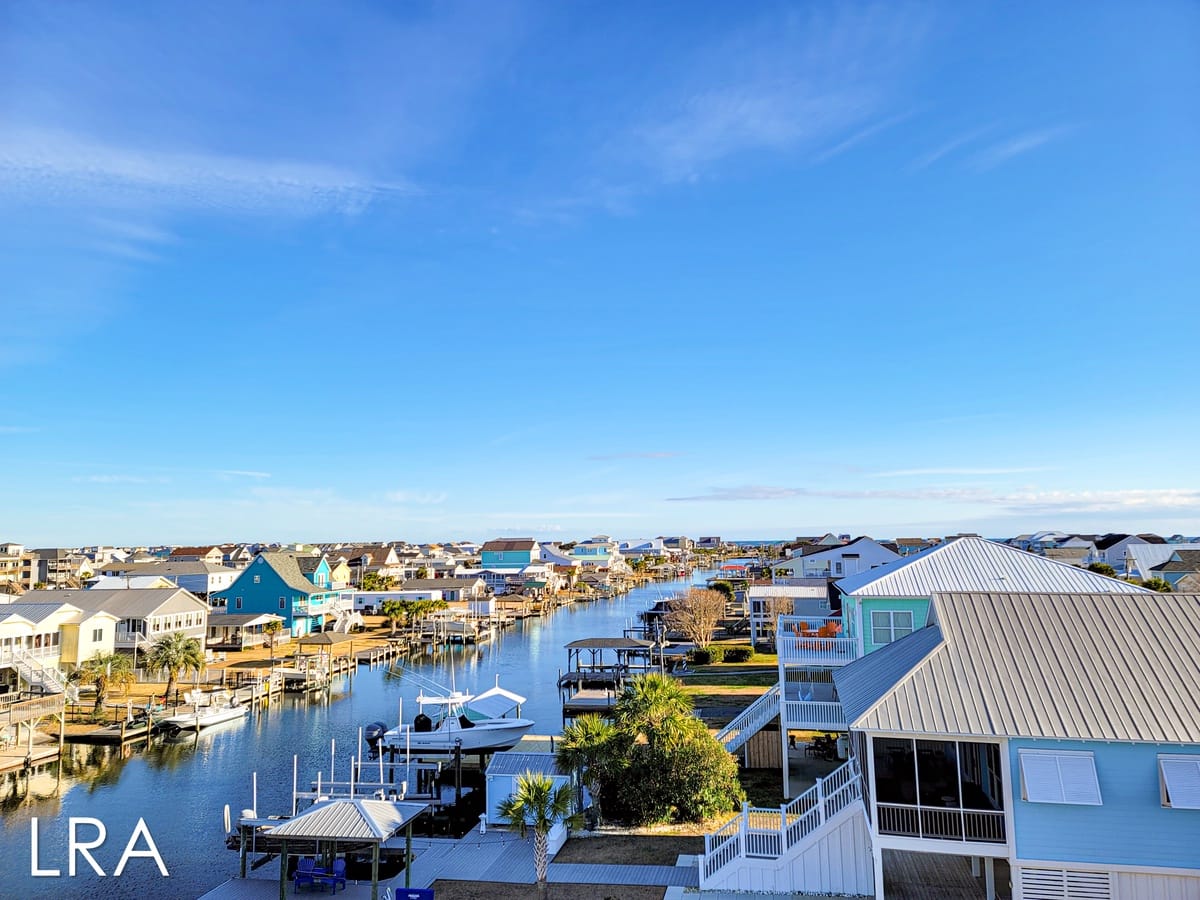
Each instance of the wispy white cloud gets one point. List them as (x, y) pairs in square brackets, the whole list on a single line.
[(1018, 145), (860, 136), (242, 473), (811, 81), (966, 471), (121, 479), (17, 429), (746, 492), (1134, 501), (950, 146), (661, 454), (56, 167)]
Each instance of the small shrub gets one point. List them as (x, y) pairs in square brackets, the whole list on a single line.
[(738, 654), (703, 656)]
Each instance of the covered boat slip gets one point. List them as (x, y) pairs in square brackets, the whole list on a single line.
[(328, 830), (589, 667)]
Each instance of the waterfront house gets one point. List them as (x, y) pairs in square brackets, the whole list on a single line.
[(600, 553), (891, 601), (912, 546), (10, 565), (800, 597), (276, 583), (979, 736), (40, 641), (238, 631), (817, 561), (143, 616)]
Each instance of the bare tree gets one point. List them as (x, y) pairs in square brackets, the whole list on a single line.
[(695, 614), (773, 608)]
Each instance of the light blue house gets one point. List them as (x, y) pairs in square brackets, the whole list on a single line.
[(1058, 732), (509, 553), (298, 588)]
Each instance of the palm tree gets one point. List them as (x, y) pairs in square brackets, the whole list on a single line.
[(655, 707), (589, 747), (271, 630), (176, 653), (539, 805), (395, 612), (105, 670)]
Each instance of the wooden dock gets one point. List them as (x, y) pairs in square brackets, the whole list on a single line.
[(596, 701)]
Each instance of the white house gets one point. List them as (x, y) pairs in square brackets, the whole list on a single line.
[(143, 615), (817, 561), (501, 783)]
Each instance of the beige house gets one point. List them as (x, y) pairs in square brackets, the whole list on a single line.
[(41, 642)]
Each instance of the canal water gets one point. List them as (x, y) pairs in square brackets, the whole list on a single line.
[(180, 789)]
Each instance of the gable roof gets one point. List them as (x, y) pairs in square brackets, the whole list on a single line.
[(1101, 667), (1189, 561), (287, 567), (1144, 557), (35, 613), (975, 564), (366, 820)]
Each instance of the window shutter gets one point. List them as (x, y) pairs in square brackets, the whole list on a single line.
[(1039, 778), (1079, 781), (1181, 775)]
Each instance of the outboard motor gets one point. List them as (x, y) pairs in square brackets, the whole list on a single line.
[(422, 723), (374, 732)]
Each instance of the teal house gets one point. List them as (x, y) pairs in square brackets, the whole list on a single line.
[(509, 553), (298, 588)]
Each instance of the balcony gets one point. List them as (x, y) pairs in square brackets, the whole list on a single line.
[(814, 715), (814, 641), (943, 824)]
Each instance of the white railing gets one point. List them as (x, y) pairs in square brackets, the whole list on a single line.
[(941, 823), (37, 672), (750, 720), (816, 715), (800, 649), (773, 833)]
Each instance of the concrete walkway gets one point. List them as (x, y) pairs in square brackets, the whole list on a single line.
[(498, 856)]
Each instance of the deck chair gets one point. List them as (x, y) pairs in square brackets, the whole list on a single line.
[(336, 877), (304, 873)]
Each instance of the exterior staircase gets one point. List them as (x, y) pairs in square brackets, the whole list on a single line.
[(817, 843), (750, 720), (35, 673)]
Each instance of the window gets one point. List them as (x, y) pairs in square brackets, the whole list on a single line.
[(1059, 777), (1179, 781), (837, 568), (281, 603), (237, 602), (888, 625), (257, 579), (97, 635)]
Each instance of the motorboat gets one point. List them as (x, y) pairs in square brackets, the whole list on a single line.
[(206, 710), (474, 722)]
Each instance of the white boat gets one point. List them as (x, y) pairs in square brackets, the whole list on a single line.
[(480, 722), (206, 710)]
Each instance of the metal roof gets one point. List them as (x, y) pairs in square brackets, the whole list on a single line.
[(510, 762), (975, 564), (124, 603), (1069, 666), (610, 643), (860, 687), (349, 820)]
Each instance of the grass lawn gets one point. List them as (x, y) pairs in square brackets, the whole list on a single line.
[(630, 849), (494, 890)]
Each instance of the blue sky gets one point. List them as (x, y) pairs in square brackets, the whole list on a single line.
[(438, 270)]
